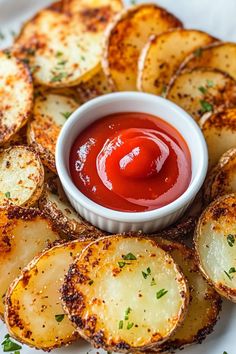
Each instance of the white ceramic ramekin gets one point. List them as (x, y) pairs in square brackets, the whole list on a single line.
[(116, 221)]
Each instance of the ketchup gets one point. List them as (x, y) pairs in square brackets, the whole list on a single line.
[(131, 162)]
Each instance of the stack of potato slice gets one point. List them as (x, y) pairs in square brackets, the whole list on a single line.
[(123, 293)]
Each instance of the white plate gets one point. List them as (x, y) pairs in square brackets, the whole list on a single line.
[(218, 18)]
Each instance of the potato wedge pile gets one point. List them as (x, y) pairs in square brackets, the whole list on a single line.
[(64, 278)]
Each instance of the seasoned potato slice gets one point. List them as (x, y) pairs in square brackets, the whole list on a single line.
[(21, 176), (222, 179), (98, 85), (216, 247), (34, 314), (93, 8), (163, 54), (64, 50), (56, 206), (23, 234), (124, 294), (202, 90), (219, 130), (125, 39), (219, 56), (50, 113), (16, 95), (205, 303)]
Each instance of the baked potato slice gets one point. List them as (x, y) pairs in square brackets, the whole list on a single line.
[(98, 85), (202, 90), (56, 206), (33, 313), (16, 95), (215, 237), (222, 179), (218, 55), (112, 289), (23, 234), (49, 115), (63, 50), (219, 130), (21, 176), (205, 303), (163, 54), (126, 37)]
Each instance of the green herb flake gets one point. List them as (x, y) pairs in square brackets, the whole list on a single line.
[(8, 345), (232, 270), (62, 62), (66, 114), (164, 90), (17, 352), (230, 240), (206, 106), (129, 257), (210, 83), (225, 352), (91, 282), (8, 195), (109, 352), (127, 312), (202, 89), (147, 273), (122, 264), (59, 54), (133, 2), (161, 293), (83, 58), (198, 53), (58, 77), (130, 325), (153, 282), (121, 324), (227, 274), (60, 317)]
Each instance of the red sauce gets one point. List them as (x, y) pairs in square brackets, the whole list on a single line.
[(131, 162)]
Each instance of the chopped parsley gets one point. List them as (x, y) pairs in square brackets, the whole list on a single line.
[(83, 58), (129, 257), (148, 272), (8, 195), (122, 264), (232, 270), (206, 106), (58, 77), (127, 312), (8, 345), (210, 83), (225, 352), (59, 54), (164, 90), (198, 53), (130, 325), (60, 317), (227, 274), (202, 89), (62, 62), (230, 240), (121, 324), (161, 293), (66, 114)]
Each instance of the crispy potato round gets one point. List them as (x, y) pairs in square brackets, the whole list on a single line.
[(215, 237), (125, 39), (219, 56), (63, 50), (219, 130), (98, 85), (34, 313), (205, 303), (222, 178), (16, 95), (125, 293), (202, 90), (56, 206), (21, 176), (23, 234), (163, 54), (49, 115)]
